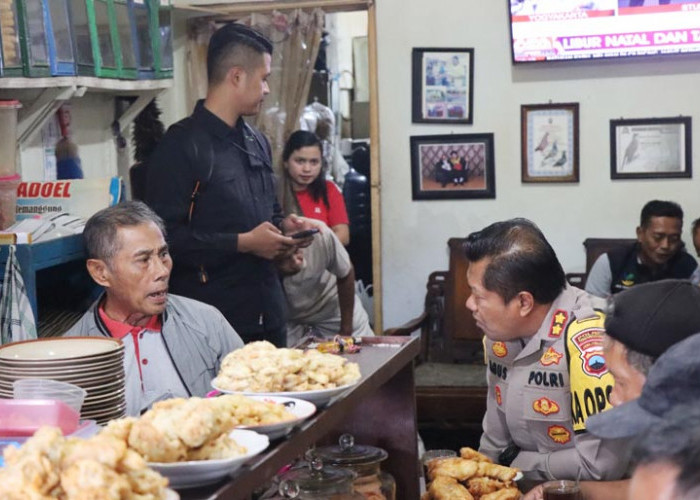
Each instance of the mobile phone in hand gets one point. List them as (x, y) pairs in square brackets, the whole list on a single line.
[(305, 234)]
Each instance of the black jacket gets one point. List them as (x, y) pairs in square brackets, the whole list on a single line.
[(237, 193), (626, 270)]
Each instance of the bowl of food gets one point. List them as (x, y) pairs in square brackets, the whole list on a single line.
[(260, 368)]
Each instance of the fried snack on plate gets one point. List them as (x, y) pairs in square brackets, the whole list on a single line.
[(222, 447), (447, 488), (49, 467), (87, 479), (472, 454), (454, 467), (496, 471), (261, 367), (478, 486), (511, 493)]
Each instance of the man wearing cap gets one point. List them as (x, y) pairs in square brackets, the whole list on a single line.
[(211, 180), (657, 254), (644, 323), (546, 371), (668, 458)]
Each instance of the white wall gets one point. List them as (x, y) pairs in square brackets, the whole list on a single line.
[(415, 233)]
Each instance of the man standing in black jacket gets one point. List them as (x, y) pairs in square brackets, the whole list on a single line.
[(658, 253), (211, 180)]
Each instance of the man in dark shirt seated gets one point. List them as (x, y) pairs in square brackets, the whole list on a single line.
[(658, 253)]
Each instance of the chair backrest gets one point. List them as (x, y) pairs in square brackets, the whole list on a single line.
[(595, 247)]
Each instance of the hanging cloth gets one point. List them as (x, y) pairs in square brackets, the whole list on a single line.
[(16, 315)]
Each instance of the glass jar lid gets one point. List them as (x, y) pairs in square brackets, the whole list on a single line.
[(316, 480), (347, 453)]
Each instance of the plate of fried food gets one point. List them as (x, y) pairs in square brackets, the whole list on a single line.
[(260, 368), (243, 444), (281, 408), (191, 441), (49, 465), (471, 476)]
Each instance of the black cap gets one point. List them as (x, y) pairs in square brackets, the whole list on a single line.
[(651, 317), (672, 381)]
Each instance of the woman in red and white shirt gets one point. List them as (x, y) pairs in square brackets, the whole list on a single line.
[(315, 196)]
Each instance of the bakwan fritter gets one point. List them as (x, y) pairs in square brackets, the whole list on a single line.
[(195, 429), (49, 466)]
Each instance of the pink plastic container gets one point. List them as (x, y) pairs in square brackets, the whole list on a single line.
[(22, 417)]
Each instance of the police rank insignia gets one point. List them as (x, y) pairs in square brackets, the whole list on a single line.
[(499, 349), (545, 406), (499, 400), (551, 357), (559, 434), (558, 322)]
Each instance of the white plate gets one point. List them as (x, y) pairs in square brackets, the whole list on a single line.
[(59, 349), (319, 398), (203, 472), (298, 407), (171, 494)]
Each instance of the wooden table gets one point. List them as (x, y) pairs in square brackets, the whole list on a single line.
[(380, 410)]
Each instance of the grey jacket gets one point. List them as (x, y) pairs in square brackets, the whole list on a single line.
[(196, 335)]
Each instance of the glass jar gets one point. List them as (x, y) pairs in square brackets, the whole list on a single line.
[(319, 483), (372, 483)]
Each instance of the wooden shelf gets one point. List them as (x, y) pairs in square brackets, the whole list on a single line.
[(91, 83), (379, 411), (54, 91)]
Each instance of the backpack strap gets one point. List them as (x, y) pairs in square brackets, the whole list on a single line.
[(202, 157)]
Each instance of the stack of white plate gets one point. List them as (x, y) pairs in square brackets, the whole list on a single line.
[(93, 363)]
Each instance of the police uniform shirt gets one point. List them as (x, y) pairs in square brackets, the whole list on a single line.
[(542, 389)]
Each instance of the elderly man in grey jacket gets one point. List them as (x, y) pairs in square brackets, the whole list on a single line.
[(173, 345)]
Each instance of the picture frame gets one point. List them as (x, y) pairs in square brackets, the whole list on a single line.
[(453, 166), (549, 142), (443, 83), (651, 148)]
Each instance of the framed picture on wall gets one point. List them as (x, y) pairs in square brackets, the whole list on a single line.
[(650, 148), (443, 85), (447, 167), (549, 142)]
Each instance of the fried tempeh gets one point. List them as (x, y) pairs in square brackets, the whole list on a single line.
[(472, 454), (457, 468), (496, 471), (447, 488), (505, 494), (483, 485)]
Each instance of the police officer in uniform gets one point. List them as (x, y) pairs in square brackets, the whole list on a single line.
[(546, 369)]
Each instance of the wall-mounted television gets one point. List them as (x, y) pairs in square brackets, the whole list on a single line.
[(552, 30)]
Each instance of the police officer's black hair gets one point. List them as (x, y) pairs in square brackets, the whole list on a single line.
[(234, 44), (521, 259)]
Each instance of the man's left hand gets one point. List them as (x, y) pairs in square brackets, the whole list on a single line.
[(293, 224)]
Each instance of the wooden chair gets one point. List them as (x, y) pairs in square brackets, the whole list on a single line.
[(450, 374), (595, 247)]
